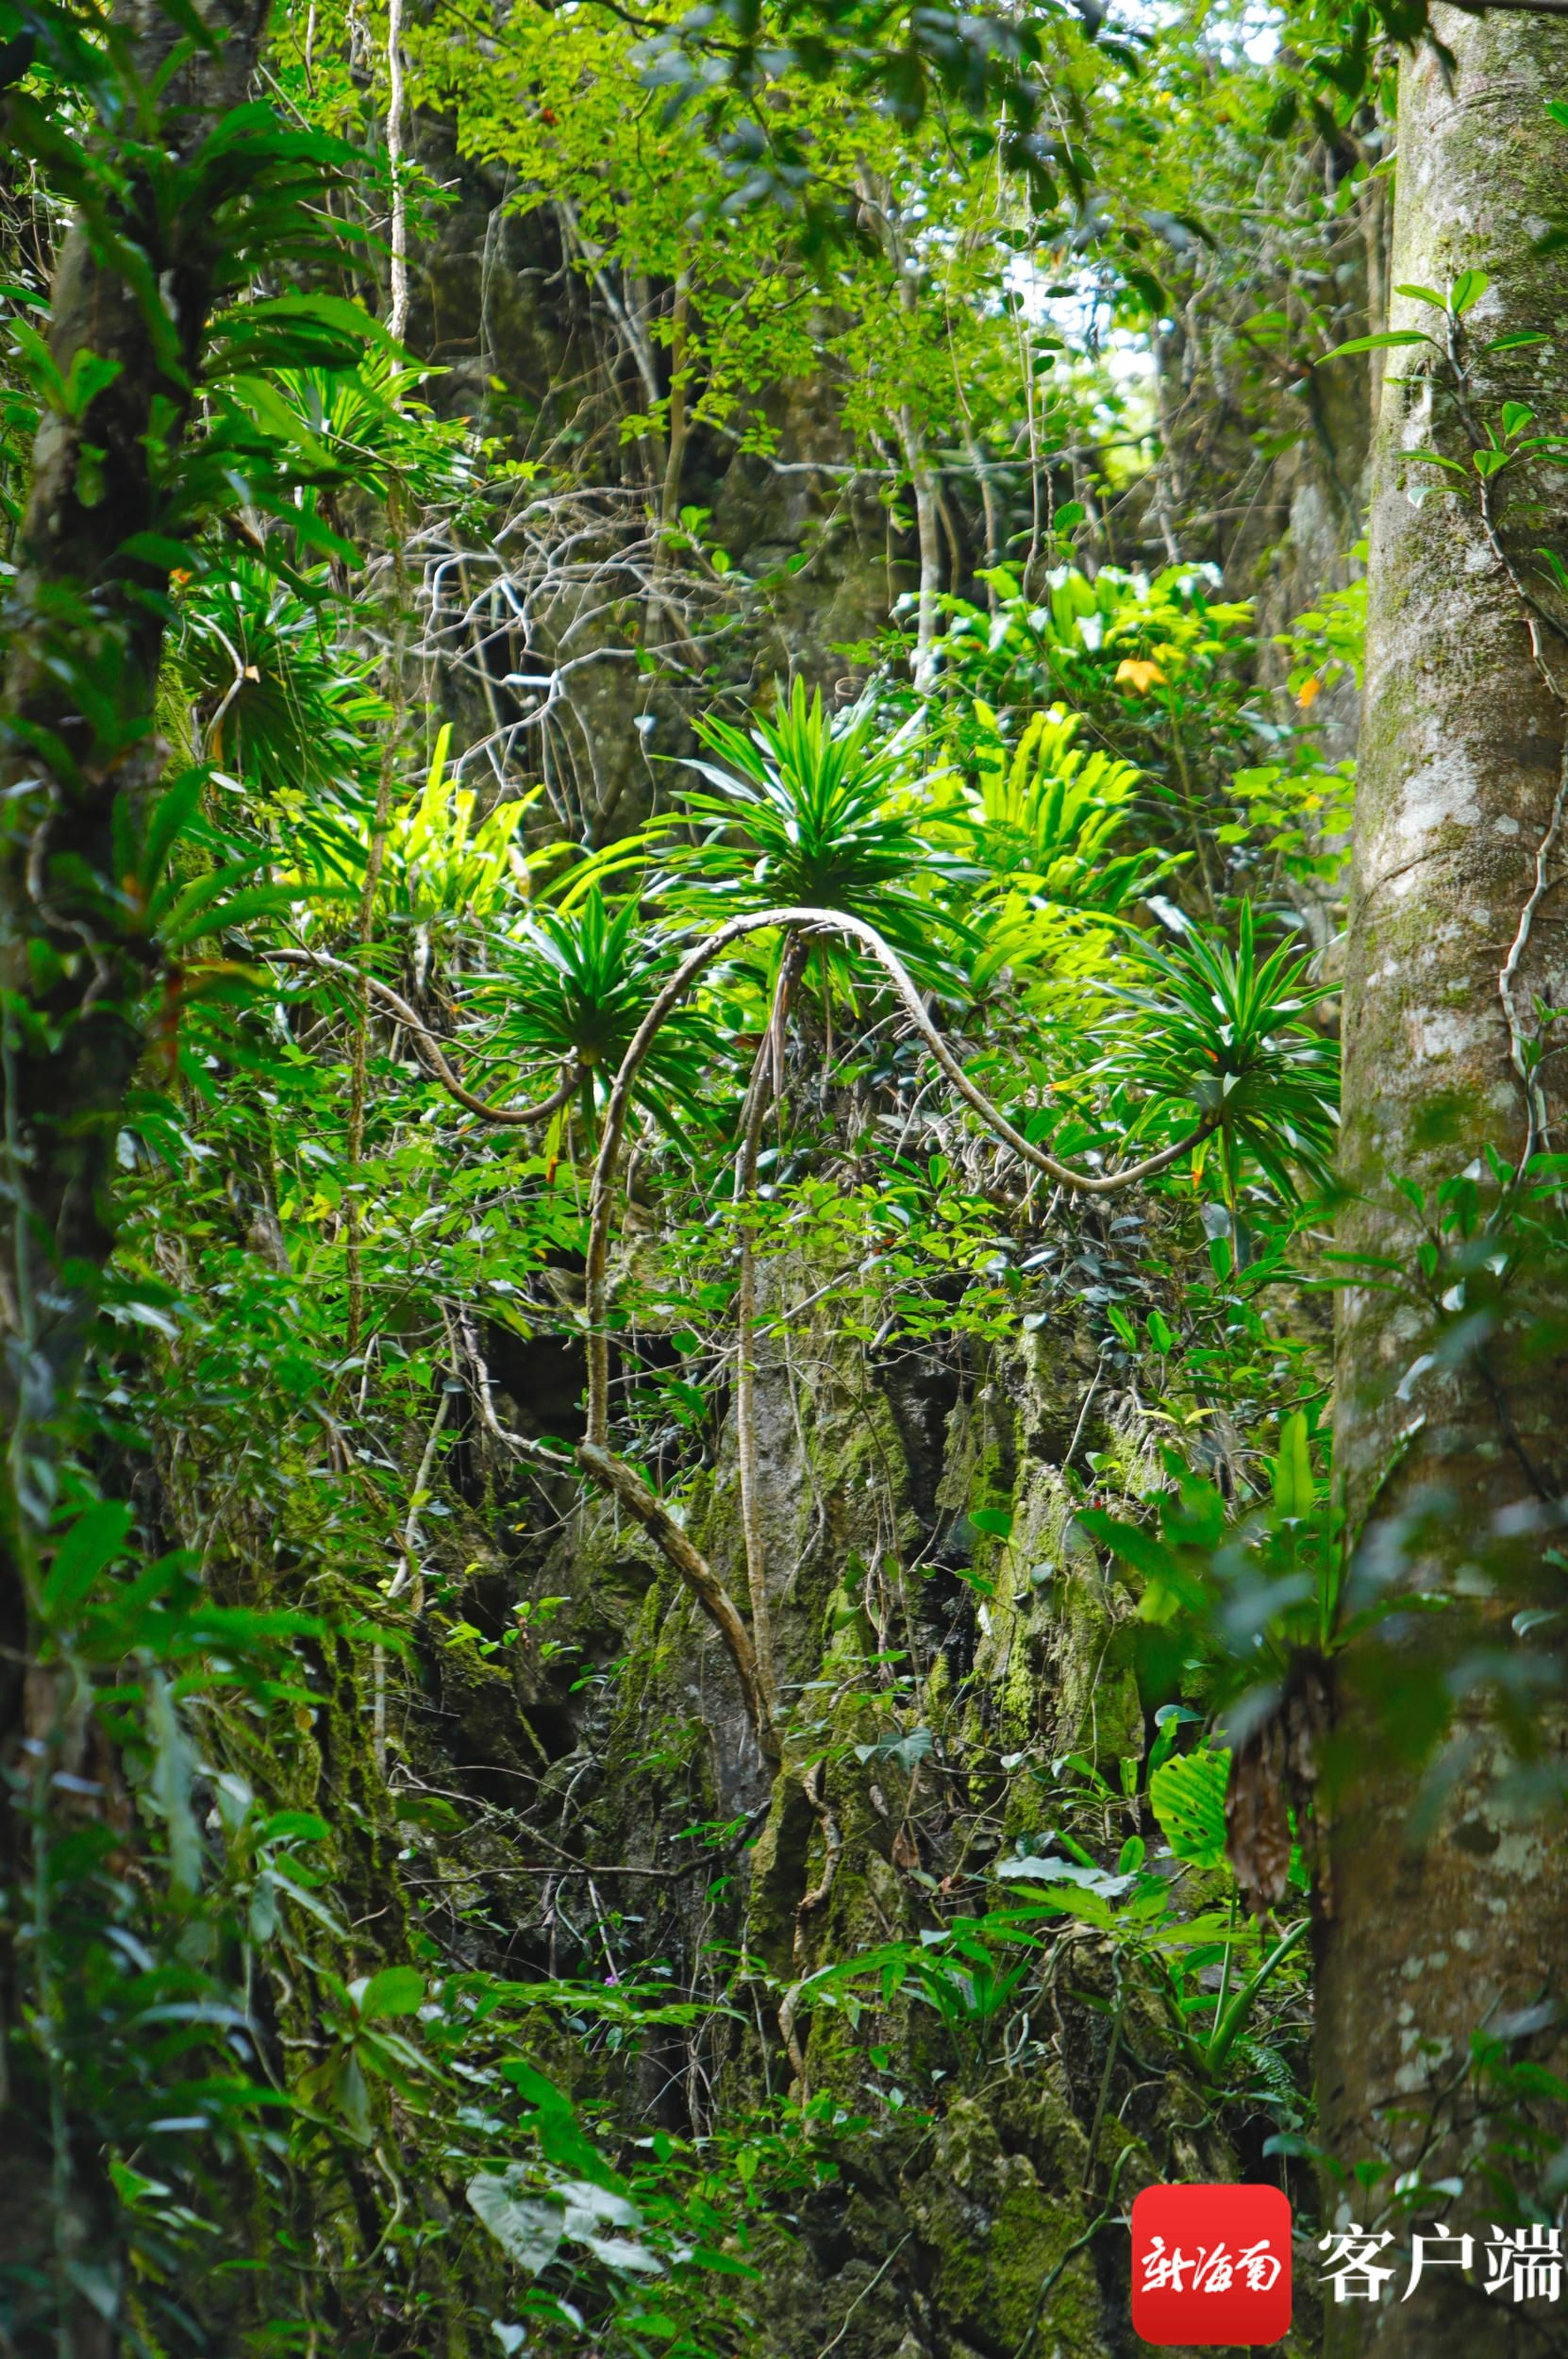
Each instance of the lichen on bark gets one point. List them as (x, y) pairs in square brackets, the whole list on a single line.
[(1446, 1437)]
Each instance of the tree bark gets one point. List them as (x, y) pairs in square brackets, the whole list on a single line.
[(85, 622), (1448, 1897), (79, 752)]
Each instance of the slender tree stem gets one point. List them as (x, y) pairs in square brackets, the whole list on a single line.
[(764, 1081), (397, 308)]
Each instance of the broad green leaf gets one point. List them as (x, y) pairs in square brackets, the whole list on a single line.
[(169, 1783), (1187, 1795), (527, 2226), (1294, 1492), (262, 1915), (728, 2264), (396, 1990), (1123, 1326), (533, 2085), (293, 1826), (93, 1541), (1381, 343), (171, 815), (591, 2211)]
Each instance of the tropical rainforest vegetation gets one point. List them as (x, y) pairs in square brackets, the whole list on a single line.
[(746, 1553)]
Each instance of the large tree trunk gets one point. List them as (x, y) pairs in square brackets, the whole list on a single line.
[(85, 622), (1449, 1907)]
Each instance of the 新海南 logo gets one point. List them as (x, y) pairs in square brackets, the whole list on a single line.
[(1212, 2264)]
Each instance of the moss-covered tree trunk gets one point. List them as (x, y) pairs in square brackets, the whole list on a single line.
[(84, 623), (1449, 1900)]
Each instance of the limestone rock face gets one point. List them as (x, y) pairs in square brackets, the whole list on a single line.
[(983, 2167)]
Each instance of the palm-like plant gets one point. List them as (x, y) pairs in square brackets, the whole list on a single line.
[(276, 703), (805, 812), (367, 427), (1228, 1033), (810, 810), (574, 984)]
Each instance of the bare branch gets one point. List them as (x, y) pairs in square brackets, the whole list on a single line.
[(655, 1518)]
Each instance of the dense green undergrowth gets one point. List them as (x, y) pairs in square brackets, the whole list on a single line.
[(689, 1439)]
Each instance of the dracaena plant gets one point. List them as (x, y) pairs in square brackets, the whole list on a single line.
[(270, 694), (807, 809), (440, 859), (572, 985), (1230, 1032)]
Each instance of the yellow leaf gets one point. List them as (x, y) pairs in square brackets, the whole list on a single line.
[(1139, 676), (1309, 693)]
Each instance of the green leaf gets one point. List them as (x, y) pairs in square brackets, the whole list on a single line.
[(1141, 1550), (1293, 1491), (90, 376), (93, 1541), (725, 2263), (352, 2093), (1122, 1325), (428, 1810), (169, 1784), (189, 921), (293, 1826), (262, 1917), (1187, 1795), (155, 548), (1382, 343), (533, 2086), (590, 2211), (396, 1990), (907, 1751), (308, 1902), (171, 815), (1469, 287), (1233, 2022), (335, 311)]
